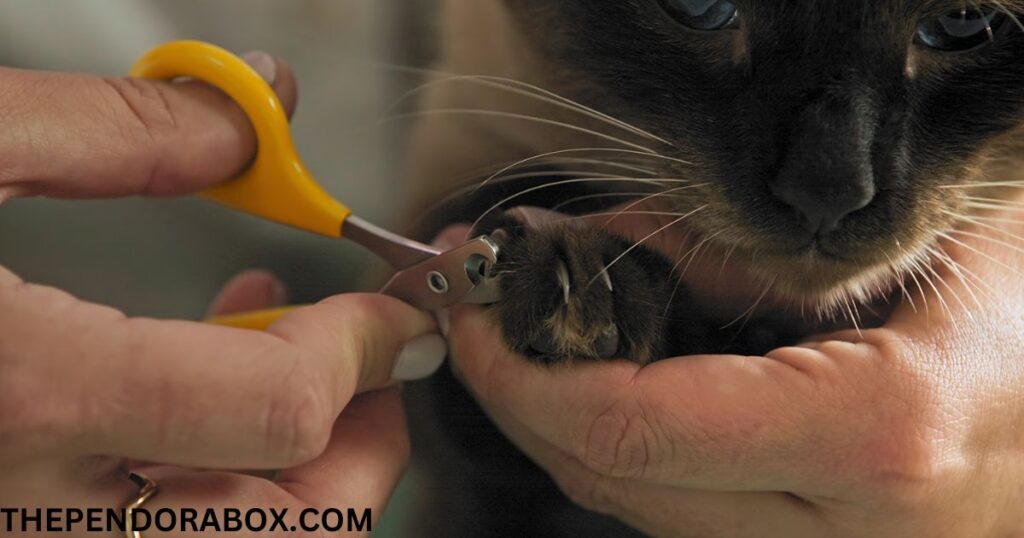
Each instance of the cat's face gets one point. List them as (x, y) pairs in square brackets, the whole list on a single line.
[(828, 138)]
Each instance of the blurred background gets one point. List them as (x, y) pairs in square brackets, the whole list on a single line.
[(167, 258)]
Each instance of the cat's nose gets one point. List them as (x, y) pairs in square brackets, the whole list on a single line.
[(827, 172), (823, 209)]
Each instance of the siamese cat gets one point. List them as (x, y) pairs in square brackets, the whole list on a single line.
[(822, 149)]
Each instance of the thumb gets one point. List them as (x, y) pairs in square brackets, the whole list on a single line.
[(71, 136), (153, 388), (391, 340)]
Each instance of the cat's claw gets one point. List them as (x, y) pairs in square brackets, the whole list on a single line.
[(607, 344), (562, 273)]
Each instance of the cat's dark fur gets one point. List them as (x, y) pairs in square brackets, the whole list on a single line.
[(826, 152), (572, 291)]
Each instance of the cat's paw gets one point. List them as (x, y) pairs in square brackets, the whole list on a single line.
[(571, 291)]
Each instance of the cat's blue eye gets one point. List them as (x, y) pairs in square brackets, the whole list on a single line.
[(703, 14), (960, 30)]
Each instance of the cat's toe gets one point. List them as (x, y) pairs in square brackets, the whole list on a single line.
[(608, 343), (569, 292)]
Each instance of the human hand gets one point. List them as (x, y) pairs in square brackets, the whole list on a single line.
[(911, 429), (85, 391)]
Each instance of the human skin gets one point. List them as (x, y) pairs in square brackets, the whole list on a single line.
[(87, 393), (911, 429)]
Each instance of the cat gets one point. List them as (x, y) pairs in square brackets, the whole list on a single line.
[(823, 147)]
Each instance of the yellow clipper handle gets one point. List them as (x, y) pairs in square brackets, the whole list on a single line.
[(258, 320), (277, 186)]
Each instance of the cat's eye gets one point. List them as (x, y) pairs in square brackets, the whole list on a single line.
[(703, 14), (960, 30)]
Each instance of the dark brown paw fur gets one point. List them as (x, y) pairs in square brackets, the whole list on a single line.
[(571, 291), (564, 298)]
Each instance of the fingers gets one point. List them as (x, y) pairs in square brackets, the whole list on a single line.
[(77, 136), (271, 510), (670, 511), (187, 393), (715, 422), (366, 457), (848, 416), (251, 290), (369, 448)]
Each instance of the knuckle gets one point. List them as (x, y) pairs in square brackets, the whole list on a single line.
[(24, 420), (899, 470), (147, 104), (362, 339), (24, 416), (359, 305), (618, 442), (369, 330), (900, 455), (298, 421), (584, 488), (357, 315), (143, 115), (891, 451), (12, 404)]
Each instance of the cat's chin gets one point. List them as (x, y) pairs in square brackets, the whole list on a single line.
[(808, 284), (829, 286)]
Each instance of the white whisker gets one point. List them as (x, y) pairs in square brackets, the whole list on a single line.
[(931, 284), (900, 280), (471, 187), (998, 262), (746, 315), (988, 219), (990, 239), (655, 195), (994, 207), (637, 244), (995, 201), (521, 117), (691, 254), (976, 222), (955, 268), (596, 196), (534, 92), (508, 166), (938, 277), (1009, 13), (679, 280), (587, 216), (649, 181), (854, 315), (966, 186), (914, 269), (560, 152)]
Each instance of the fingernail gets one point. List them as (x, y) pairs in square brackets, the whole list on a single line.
[(420, 358), (6, 193), (444, 321), (277, 295), (443, 242), (263, 63)]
